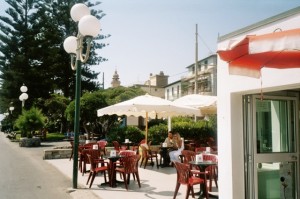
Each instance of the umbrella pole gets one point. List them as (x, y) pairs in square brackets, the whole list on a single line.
[(169, 124), (146, 136)]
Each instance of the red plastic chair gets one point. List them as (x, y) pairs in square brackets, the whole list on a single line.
[(200, 149), (86, 149), (212, 170), (185, 177), (116, 146), (130, 166), (95, 169), (148, 154), (102, 144)]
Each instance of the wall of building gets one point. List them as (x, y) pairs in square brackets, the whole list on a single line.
[(173, 91), (206, 77), (231, 88)]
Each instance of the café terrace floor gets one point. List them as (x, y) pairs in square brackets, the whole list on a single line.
[(155, 183)]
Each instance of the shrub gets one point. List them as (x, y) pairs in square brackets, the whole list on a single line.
[(30, 121), (198, 131), (119, 134), (158, 133)]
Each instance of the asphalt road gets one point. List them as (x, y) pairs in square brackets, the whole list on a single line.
[(25, 175)]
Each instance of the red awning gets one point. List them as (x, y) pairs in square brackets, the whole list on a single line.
[(275, 50)]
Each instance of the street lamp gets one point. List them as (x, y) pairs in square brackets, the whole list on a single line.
[(24, 95), (88, 27), (11, 109)]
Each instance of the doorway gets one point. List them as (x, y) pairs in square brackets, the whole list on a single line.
[(271, 147)]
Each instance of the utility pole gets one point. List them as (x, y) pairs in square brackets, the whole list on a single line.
[(103, 80), (196, 61)]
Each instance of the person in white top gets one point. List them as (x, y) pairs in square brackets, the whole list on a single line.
[(179, 144)]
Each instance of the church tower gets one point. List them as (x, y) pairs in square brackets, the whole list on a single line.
[(115, 80)]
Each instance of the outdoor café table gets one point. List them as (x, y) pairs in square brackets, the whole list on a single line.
[(128, 144), (112, 160), (202, 165)]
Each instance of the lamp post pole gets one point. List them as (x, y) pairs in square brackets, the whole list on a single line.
[(11, 108), (88, 27), (76, 124)]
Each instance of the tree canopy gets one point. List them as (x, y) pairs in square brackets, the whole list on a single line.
[(91, 102), (31, 51)]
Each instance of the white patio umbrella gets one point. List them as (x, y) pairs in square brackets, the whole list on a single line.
[(207, 104), (148, 106)]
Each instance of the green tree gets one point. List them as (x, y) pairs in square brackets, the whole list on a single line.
[(31, 37), (54, 108), (15, 48), (30, 121), (120, 94), (89, 104)]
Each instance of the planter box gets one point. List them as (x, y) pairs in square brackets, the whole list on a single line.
[(30, 142), (62, 153)]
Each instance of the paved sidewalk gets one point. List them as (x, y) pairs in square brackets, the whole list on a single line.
[(155, 183)]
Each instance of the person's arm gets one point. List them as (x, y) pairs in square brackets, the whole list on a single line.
[(179, 143)]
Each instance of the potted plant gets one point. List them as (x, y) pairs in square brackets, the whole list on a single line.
[(29, 122)]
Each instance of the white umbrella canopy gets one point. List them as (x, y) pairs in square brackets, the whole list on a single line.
[(207, 104), (148, 106)]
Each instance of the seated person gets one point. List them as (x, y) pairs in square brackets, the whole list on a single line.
[(169, 139), (179, 144)]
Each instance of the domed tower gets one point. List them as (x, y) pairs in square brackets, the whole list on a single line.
[(115, 80)]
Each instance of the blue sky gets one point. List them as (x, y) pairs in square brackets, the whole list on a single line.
[(153, 36), (149, 36)]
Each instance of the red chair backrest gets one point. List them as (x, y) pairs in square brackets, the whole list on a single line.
[(183, 172), (131, 163), (127, 153), (200, 149), (188, 156), (102, 144), (210, 157), (116, 145)]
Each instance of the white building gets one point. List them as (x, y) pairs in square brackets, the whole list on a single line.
[(258, 140), (206, 77)]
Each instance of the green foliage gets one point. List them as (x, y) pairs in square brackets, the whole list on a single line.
[(55, 137), (54, 108), (186, 127), (30, 121), (31, 35), (155, 122), (158, 133), (89, 104), (105, 123), (120, 94), (119, 134), (134, 134)]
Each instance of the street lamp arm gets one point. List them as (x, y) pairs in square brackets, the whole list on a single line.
[(74, 46), (80, 40)]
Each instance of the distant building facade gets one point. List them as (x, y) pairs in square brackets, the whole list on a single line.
[(155, 85), (206, 79)]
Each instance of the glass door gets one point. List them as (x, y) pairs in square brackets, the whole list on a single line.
[(272, 160)]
